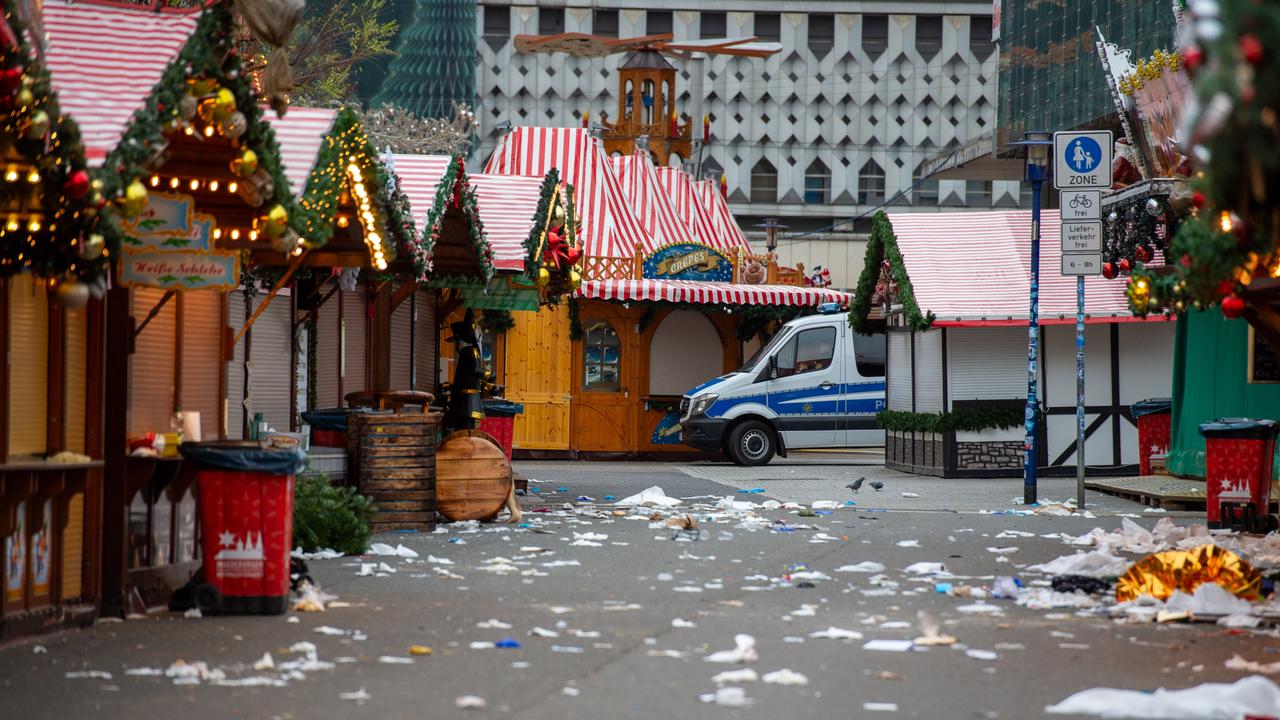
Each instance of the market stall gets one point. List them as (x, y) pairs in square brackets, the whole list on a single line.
[(666, 301), (192, 178), (52, 271), (952, 289)]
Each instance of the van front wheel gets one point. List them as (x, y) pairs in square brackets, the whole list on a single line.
[(752, 443)]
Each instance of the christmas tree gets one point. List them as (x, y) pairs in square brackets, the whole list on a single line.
[(435, 64)]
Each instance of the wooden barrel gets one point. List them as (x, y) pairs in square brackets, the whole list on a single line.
[(397, 468), (473, 476)]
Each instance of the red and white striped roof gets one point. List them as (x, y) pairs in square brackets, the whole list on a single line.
[(649, 202), (104, 61), (974, 268), (508, 205), (301, 134), (726, 226), (609, 228), (678, 186), (709, 293)]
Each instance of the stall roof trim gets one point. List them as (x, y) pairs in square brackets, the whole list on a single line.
[(301, 134), (98, 84), (649, 201), (709, 293)]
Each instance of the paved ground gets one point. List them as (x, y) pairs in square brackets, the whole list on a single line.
[(617, 654)]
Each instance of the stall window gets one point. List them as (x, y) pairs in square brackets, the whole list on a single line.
[(602, 355), (809, 351), (28, 366)]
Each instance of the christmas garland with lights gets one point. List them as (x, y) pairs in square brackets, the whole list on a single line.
[(204, 82), (55, 239), (532, 244), (454, 191), (552, 251), (344, 144), (882, 245)]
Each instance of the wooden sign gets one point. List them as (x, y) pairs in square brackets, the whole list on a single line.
[(688, 261), (164, 224), (180, 270), (501, 294)]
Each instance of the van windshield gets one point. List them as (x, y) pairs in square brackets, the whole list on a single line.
[(763, 352)]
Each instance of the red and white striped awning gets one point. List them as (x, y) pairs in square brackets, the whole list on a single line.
[(678, 186), (973, 269), (649, 201), (301, 133), (726, 226), (709, 293), (104, 61), (609, 228), (507, 205)]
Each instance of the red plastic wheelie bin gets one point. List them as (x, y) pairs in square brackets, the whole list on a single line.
[(1239, 453)]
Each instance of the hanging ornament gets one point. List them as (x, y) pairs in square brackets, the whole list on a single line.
[(276, 221), (1198, 200), (1124, 266), (135, 199), (73, 295), (557, 215), (1143, 253), (203, 86), (544, 277), (1251, 49), (234, 126), (77, 186), (1152, 207), (1192, 57), (224, 103), (575, 279), (205, 110), (246, 164), (10, 80), (286, 242), (25, 98), (188, 106), (38, 125), (573, 255), (1109, 271), (91, 247), (1232, 306)]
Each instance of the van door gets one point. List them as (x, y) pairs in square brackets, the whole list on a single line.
[(864, 390), (804, 387)]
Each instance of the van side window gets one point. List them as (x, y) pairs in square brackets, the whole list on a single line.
[(870, 354), (809, 351)]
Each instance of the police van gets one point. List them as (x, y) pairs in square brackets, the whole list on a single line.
[(816, 384)]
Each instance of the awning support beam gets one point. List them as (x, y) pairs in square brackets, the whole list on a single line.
[(293, 267)]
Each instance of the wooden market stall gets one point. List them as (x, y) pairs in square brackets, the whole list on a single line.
[(52, 271), (191, 173), (953, 290), (670, 291)]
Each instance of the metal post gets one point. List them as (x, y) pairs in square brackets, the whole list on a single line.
[(1033, 345), (1080, 392)]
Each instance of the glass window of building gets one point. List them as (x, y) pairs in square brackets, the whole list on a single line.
[(871, 184), (714, 25), (764, 182), (497, 21), (928, 35), (657, 22), (822, 34), (768, 26), (602, 357), (875, 35), (978, 193), (817, 184), (980, 41), (550, 21), (605, 22), (926, 190)]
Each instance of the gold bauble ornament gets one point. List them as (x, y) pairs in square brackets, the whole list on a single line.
[(135, 198), (72, 294), (38, 125), (25, 97), (91, 247), (188, 106), (575, 279), (246, 164), (557, 215), (234, 126), (544, 277), (201, 87), (276, 222), (224, 104), (205, 110)]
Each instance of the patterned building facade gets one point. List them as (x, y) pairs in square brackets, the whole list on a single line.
[(819, 135)]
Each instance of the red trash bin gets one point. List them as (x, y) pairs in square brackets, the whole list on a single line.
[(246, 526), (1152, 418), (1239, 453), (500, 422)]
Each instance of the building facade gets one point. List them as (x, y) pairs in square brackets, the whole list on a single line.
[(819, 135)]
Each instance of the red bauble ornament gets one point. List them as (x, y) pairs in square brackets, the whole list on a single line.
[(1251, 49), (1192, 57), (77, 186), (573, 255), (1226, 287), (1143, 253), (1232, 306), (11, 80), (1198, 199), (1124, 265), (1185, 260), (1109, 271)]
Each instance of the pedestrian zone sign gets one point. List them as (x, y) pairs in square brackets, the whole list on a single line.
[(1082, 160)]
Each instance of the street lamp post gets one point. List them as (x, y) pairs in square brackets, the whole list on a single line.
[(1037, 171), (771, 227)]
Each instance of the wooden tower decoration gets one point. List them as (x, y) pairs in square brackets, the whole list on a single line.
[(647, 113)]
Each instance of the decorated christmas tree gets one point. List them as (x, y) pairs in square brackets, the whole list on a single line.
[(435, 64)]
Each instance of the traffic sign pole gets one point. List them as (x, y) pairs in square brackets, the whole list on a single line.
[(1080, 392)]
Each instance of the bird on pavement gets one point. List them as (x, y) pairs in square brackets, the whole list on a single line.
[(856, 484), (876, 484)]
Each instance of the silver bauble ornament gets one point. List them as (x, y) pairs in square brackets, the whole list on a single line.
[(234, 126), (91, 247), (73, 295), (188, 106), (1153, 207)]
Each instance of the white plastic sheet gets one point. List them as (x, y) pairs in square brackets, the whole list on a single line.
[(1254, 695)]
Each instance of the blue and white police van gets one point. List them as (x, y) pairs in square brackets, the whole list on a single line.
[(816, 384)]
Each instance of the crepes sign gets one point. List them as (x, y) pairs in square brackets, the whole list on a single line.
[(688, 261)]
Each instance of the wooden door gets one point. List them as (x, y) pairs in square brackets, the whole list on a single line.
[(539, 375), (606, 380)]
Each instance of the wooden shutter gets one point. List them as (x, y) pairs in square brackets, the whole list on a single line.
[(326, 370), (152, 365), (28, 365), (202, 358), (425, 356), (235, 369), (402, 346), (73, 548), (355, 340), (899, 381), (271, 373), (77, 356)]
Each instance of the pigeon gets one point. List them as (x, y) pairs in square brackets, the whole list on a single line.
[(876, 484), (856, 484)]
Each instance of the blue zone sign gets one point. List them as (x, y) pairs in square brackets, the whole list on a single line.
[(688, 261)]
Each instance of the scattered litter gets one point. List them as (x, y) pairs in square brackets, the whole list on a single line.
[(419, 650), (755, 491), (88, 675), (471, 702), (682, 623), (266, 663), (784, 676), (977, 654), (150, 672), (649, 497), (385, 549), (910, 495), (433, 560), (735, 676), (909, 543), (569, 649), (492, 624), (825, 505), (981, 608), (311, 599), (1005, 587), (321, 554), (1208, 599), (1238, 663), (1002, 550), (727, 696), (835, 633), (508, 643), (39, 649), (193, 613), (1095, 564), (570, 691), (886, 675), (867, 566), (927, 568), (1081, 584), (326, 630), (880, 706), (1254, 695), (395, 660), (359, 696), (543, 632), (888, 645), (930, 634), (743, 652)]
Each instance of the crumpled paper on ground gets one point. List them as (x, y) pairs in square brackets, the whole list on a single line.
[(649, 497), (743, 652), (1254, 695)]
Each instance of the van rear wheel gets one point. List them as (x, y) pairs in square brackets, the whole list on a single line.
[(752, 443)]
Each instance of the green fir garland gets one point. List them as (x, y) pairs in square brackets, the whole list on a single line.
[(454, 182), (883, 245)]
